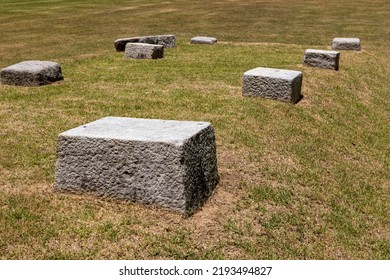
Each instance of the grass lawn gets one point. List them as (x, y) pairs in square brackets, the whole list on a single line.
[(304, 181)]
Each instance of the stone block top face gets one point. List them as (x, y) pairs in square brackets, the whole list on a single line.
[(273, 73), (322, 52), (31, 73), (146, 45), (203, 40), (347, 40), (346, 44), (168, 41), (140, 130), (33, 66)]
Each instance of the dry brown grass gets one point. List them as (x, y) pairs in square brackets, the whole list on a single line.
[(304, 181)]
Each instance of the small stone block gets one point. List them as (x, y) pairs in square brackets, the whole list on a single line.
[(144, 51), (284, 85), (322, 59), (168, 41), (203, 40), (31, 73), (346, 44), (163, 162)]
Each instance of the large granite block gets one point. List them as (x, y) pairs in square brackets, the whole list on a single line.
[(168, 41), (284, 85), (144, 51), (162, 162), (322, 59), (31, 73), (346, 44)]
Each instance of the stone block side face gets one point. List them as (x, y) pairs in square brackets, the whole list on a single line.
[(168, 41), (346, 44), (322, 59), (145, 172), (31, 73), (296, 89), (144, 51), (120, 44), (288, 90), (203, 40), (201, 171)]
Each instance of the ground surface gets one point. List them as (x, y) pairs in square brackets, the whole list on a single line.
[(304, 181)]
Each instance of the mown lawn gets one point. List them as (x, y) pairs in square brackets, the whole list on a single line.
[(304, 181)]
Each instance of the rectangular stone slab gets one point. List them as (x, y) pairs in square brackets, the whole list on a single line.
[(203, 40), (168, 41), (322, 59), (31, 73), (163, 162), (144, 51), (280, 84), (352, 44)]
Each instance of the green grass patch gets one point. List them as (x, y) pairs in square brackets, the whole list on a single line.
[(304, 181)]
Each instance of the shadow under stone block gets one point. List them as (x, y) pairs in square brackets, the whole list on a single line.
[(163, 162), (283, 85), (31, 73)]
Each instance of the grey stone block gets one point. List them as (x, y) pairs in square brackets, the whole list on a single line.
[(167, 163), (144, 51), (346, 44), (31, 73), (322, 59), (284, 85), (203, 40), (168, 41)]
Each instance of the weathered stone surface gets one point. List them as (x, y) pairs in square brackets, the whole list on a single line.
[(203, 40), (322, 59), (284, 85), (167, 163), (31, 73), (168, 41), (141, 51), (346, 44)]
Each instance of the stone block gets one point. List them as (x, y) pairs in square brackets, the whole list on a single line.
[(203, 40), (162, 162), (31, 73), (168, 41), (144, 51), (322, 59), (346, 44), (284, 85)]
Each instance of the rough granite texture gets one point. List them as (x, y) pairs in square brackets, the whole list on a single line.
[(141, 51), (167, 163), (31, 73), (168, 41), (203, 40), (322, 59), (284, 85), (352, 44)]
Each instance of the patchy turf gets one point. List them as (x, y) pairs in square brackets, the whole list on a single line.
[(304, 181)]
